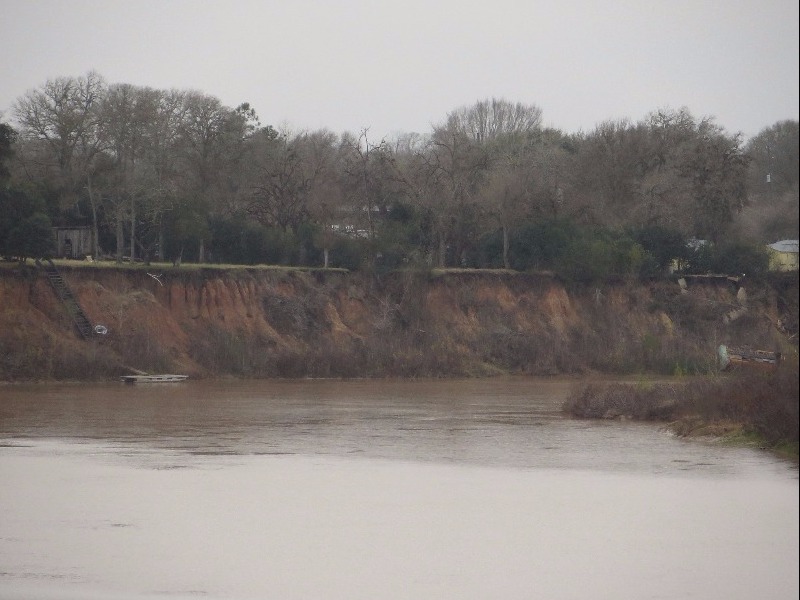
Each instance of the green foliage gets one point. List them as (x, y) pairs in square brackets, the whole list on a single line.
[(732, 257), (542, 245), (228, 241), (348, 253), (187, 228), (663, 245), (7, 137), (31, 238), (599, 255), (699, 258), (402, 237), (488, 252), (740, 258), (239, 241), (25, 228), (211, 183)]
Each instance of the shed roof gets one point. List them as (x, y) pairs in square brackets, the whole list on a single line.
[(786, 246)]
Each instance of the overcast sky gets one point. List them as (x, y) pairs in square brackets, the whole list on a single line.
[(401, 66)]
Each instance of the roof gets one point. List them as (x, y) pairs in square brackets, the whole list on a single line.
[(696, 244), (786, 246)]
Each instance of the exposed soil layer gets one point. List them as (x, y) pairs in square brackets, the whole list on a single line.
[(258, 323)]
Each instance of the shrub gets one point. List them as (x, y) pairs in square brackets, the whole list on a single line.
[(610, 401), (540, 245), (740, 258), (663, 245), (763, 403), (600, 255)]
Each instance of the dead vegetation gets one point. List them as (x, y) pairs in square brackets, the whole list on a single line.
[(762, 404)]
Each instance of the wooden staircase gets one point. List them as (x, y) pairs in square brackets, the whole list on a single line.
[(61, 288)]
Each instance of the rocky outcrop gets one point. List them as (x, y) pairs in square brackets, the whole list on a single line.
[(291, 323)]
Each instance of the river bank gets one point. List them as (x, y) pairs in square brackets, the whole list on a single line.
[(758, 409), (218, 322)]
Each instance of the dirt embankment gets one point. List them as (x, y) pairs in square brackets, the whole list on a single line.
[(259, 323)]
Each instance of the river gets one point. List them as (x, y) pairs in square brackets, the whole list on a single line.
[(334, 490)]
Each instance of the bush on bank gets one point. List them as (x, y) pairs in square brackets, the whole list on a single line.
[(762, 404)]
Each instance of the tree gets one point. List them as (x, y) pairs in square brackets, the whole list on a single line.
[(280, 194), (296, 183), (506, 189), (488, 120), (7, 138), (716, 166), (25, 228), (60, 113), (773, 184), (775, 158), (160, 151), (662, 244), (454, 167), (610, 166), (367, 180), (209, 145), (524, 179), (59, 123), (31, 238), (520, 169), (125, 115), (325, 198)]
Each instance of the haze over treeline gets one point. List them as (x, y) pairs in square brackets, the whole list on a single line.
[(175, 174)]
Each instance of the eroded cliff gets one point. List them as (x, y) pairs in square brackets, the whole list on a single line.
[(271, 323)]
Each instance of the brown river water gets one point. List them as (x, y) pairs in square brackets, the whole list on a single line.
[(466, 489)]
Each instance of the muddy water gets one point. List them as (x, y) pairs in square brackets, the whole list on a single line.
[(349, 490)]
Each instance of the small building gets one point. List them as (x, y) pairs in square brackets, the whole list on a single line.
[(783, 255), (73, 242)]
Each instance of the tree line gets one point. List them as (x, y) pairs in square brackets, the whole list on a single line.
[(176, 175)]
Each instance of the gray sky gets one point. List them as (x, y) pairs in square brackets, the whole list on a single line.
[(402, 66)]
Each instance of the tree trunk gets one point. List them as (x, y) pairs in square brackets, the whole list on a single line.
[(160, 242), (506, 263), (93, 204), (120, 237), (325, 258), (442, 258), (133, 231)]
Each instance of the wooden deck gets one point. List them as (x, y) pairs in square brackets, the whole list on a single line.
[(167, 378)]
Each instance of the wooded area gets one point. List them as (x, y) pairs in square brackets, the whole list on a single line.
[(176, 175)]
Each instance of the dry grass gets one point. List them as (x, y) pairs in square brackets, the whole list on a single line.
[(764, 404), (168, 266)]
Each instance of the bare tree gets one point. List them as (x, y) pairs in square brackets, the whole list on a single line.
[(209, 142), (488, 120), (320, 154), (127, 117), (366, 180), (455, 166), (280, 195), (58, 125)]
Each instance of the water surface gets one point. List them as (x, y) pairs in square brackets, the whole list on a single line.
[(362, 489)]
